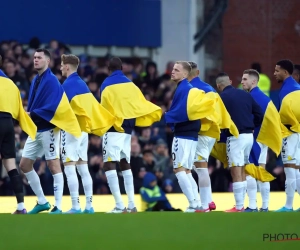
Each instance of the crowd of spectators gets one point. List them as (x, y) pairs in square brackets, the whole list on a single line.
[(150, 147)]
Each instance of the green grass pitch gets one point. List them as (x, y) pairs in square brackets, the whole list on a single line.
[(155, 231)]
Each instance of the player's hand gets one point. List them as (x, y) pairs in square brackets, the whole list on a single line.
[(28, 113)]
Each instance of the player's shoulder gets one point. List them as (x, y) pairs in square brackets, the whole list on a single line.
[(8, 82), (50, 77)]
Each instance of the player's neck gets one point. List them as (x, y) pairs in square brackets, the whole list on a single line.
[(192, 78), (41, 71), (286, 78), (252, 88), (70, 73), (179, 81)]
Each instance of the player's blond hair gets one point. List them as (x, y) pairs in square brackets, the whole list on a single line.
[(70, 59), (185, 65)]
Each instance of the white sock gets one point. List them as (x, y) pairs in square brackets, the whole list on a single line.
[(129, 188), (87, 184), (298, 180), (251, 191), (204, 186), (265, 193), (186, 187), (35, 184), (73, 185), (20, 206), (113, 183), (245, 190), (290, 186), (58, 187), (238, 190), (195, 189)]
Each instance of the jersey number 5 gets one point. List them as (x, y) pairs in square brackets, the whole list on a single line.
[(52, 147)]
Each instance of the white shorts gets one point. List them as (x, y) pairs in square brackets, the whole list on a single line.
[(46, 143), (238, 150), (290, 152), (263, 153), (72, 148), (204, 147), (183, 153), (116, 146)]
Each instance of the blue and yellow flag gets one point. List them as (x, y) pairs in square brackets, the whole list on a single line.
[(269, 133), (211, 125), (189, 104), (124, 100), (199, 84), (3, 74), (93, 118), (51, 103), (289, 103), (10, 102)]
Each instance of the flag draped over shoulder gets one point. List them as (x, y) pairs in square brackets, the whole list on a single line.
[(11, 102), (92, 116), (268, 133), (124, 100), (289, 111), (51, 104), (189, 104), (220, 119), (2, 74)]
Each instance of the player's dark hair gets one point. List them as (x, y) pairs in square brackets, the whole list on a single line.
[(46, 52), (114, 64), (286, 65), (193, 65), (252, 72), (0, 60)]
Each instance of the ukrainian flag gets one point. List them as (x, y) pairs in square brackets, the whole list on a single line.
[(93, 118), (51, 103), (190, 104), (124, 100), (220, 119), (269, 134), (2, 74), (219, 150), (11, 102), (211, 126), (289, 111)]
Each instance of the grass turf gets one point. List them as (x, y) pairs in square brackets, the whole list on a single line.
[(169, 230)]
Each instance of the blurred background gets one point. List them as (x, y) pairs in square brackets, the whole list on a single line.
[(149, 36)]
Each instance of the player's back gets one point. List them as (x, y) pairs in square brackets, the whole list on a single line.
[(74, 86), (8, 86), (289, 96), (260, 97), (198, 83), (122, 87), (241, 107), (2, 74)]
